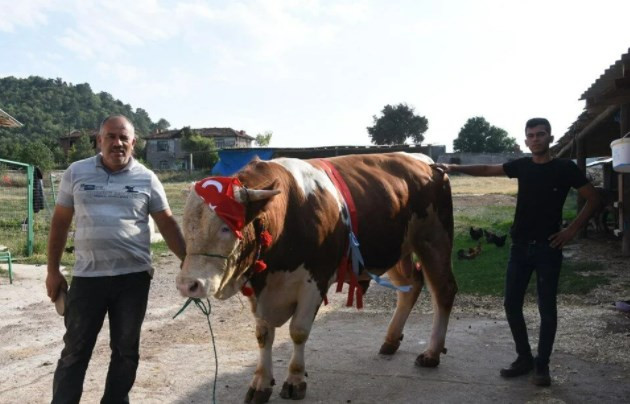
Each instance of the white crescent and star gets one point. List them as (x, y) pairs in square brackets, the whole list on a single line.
[(213, 183)]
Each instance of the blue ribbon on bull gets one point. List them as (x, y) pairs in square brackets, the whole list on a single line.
[(357, 263)]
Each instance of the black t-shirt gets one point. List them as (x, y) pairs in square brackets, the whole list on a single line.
[(542, 190)]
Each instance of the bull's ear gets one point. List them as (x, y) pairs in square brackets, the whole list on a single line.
[(187, 189)]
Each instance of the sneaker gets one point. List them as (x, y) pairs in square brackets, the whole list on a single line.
[(541, 376), (521, 366)]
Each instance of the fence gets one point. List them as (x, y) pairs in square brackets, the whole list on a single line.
[(26, 204), (16, 207)]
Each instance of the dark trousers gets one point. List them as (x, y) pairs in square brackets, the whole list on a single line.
[(124, 299), (546, 261)]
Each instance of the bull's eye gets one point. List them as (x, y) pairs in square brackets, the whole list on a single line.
[(225, 229)]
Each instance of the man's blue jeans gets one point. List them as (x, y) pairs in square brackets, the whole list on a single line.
[(124, 299), (525, 258)]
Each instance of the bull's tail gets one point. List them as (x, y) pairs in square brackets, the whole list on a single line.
[(445, 199)]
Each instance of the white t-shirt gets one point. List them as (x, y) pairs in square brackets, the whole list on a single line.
[(111, 211)]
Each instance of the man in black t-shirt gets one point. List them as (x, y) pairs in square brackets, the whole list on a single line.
[(537, 239)]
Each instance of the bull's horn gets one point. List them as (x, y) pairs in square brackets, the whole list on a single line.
[(259, 194)]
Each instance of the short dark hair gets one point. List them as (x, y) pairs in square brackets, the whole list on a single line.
[(107, 119), (538, 121)]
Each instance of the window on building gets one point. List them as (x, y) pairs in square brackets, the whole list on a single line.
[(162, 145), (164, 165), (219, 143), (229, 143)]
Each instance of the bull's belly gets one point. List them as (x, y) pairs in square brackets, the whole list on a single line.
[(286, 293)]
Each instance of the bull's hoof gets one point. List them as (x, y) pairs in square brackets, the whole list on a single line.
[(293, 392), (257, 396), (426, 361), (388, 348)]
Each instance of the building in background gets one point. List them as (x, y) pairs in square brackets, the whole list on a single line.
[(164, 149)]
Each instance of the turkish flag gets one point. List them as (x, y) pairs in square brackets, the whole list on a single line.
[(218, 194)]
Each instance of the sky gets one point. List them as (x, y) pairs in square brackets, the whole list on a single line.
[(316, 72)]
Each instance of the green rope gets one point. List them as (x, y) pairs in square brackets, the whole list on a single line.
[(206, 311)]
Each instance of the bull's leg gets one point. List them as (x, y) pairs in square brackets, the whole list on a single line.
[(401, 274), (436, 267), (260, 387), (294, 386)]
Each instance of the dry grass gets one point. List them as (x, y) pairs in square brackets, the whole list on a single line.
[(465, 184)]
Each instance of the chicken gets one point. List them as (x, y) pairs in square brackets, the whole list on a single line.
[(472, 252), (476, 233)]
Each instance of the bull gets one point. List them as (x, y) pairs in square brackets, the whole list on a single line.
[(281, 231)]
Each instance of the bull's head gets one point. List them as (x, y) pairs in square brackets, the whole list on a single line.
[(214, 246)]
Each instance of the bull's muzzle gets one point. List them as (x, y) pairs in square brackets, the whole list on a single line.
[(192, 287)]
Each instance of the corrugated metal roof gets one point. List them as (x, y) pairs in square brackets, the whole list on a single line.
[(606, 81), (598, 122), (8, 121)]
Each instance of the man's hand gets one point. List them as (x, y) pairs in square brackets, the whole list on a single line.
[(55, 282), (561, 238), (442, 167)]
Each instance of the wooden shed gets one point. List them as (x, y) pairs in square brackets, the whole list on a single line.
[(606, 117)]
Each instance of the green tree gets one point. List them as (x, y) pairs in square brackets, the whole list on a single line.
[(478, 136), (11, 149), (397, 124), (162, 124), (203, 149), (263, 139), (81, 149), (37, 154), (140, 149)]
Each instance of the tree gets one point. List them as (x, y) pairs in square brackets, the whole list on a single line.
[(162, 124), (37, 154), (478, 136), (81, 149), (263, 139), (397, 124), (203, 149)]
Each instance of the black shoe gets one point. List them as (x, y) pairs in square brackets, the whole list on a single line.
[(521, 366), (541, 376)]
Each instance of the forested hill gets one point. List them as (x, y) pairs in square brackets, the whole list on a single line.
[(50, 108)]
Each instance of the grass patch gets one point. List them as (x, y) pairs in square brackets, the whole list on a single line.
[(577, 278), (485, 275), (159, 248)]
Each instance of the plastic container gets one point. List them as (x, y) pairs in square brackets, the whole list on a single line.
[(621, 155)]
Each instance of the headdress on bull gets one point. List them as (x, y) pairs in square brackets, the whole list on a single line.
[(218, 194)]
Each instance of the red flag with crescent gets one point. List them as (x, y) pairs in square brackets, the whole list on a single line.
[(218, 194)]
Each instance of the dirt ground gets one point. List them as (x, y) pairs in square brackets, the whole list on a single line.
[(591, 361)]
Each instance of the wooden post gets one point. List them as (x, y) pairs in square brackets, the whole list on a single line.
[(580, 156), (624, 187)]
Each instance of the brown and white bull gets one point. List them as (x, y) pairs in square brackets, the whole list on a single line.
[(403, 206)]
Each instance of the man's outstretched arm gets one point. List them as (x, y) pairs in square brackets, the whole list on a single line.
[(477, 170)]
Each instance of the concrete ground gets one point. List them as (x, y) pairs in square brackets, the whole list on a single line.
[(177, 362)]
